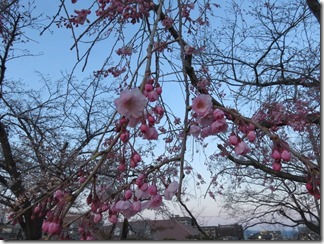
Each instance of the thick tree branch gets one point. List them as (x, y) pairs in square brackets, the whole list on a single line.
[(315, 8), (10, 163)]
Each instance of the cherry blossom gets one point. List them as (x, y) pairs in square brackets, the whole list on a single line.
[(171, 190), (218, 114), (113, 218), (285, 155), (155, 201), (151, 134), (275, 154), (251, 136), (219, 125), (128, 194), (207, 119), (276, 166), (97, 218), (126, 208), (233, 140), (131, 103), (202, 104), (241, 148)]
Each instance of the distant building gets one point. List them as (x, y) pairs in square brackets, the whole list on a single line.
[(266, 235), (225, 232), (178, 228)]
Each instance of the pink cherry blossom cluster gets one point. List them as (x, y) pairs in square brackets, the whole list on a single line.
[(142, 196), (293, 114), (241, 147), (80, 18), (280, 152), (125, 51), (52, 224), (207, 121), (127, 11), (204, 84), (115, 71), (132, 105), (185, 10), (152, 90), (312, 186), (81, 176), (145, 196), (167, 22)]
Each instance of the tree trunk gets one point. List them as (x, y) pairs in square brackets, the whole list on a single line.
[(32, 228), (124, 230)]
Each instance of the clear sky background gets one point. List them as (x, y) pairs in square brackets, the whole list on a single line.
[(53, 56)]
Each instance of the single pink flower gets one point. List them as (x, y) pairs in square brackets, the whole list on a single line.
[(126, 208), (285, 155), (152, 190), (124, 136), (144, 128), (202, 104), (122, 205), (309, 186), (139, 182), (104, 207), (128, 194), (251, 136), (137, 206), (140, 194), (276, 166), (219, 125), (131, 103), (218, 114), (275, 154), (136, 157), (37, 209), (133, 164), (54, 228), (97, 218), (144, 187), (241, 148), (122, 167), (45, 226), (152, 96), (151, 134), (158, 90), (82, 179), (233, 139), (155, 201), (159, 110), (113, 218), (148, 87), (171, 190), (207, 119), (58, 194)]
